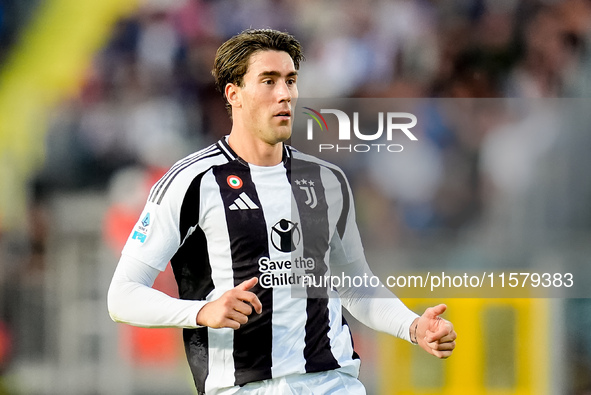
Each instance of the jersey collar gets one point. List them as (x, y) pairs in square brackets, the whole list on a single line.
[(231, 155)]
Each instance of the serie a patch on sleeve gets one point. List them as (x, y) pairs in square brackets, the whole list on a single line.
[(140, 232)]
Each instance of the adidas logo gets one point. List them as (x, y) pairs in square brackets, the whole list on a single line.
[(243, 202)]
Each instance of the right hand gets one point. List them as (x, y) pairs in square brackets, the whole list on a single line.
[(435, 334), (232, 309)]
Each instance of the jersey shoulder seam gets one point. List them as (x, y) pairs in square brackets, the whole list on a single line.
[(195, 164)]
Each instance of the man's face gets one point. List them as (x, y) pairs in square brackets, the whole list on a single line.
[(267, 95)]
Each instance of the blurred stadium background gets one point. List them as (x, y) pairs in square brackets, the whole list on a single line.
[(98, 98)]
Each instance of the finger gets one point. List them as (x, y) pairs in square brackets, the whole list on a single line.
[(447, 346), (442, 346), (431, 336), (443, 328), (256, 303), (251, 298), (442, 354), (237, 317), (243, 308), (248, 284), (226, 323), (448, 338), (435, 336)]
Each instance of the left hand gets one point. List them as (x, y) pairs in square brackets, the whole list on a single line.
[(433, 333)]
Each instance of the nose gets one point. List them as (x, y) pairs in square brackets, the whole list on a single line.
[(284, 92)]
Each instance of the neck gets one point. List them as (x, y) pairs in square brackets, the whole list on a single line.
[(255, 151)]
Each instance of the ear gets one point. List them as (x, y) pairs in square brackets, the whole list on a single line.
[(233, 96)]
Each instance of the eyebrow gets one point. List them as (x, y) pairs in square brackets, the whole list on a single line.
[(277, 74)]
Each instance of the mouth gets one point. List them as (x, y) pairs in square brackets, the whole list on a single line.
[(284, 115)]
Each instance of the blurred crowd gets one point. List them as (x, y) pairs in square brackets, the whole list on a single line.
[(14, 15), (149, 99)]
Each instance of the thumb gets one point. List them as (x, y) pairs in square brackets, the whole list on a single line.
[(433, 312), (248, 284)]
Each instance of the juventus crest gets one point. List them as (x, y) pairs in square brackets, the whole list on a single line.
[(308, 187)]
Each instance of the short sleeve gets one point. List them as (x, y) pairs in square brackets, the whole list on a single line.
[(155, 237)]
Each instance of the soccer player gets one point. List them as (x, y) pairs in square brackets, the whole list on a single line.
[(246, 223)]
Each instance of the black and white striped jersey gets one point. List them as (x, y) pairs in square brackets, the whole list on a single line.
[(221, 221)]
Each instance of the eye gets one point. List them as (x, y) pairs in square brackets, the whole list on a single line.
[(268, 82), (291, 81)]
